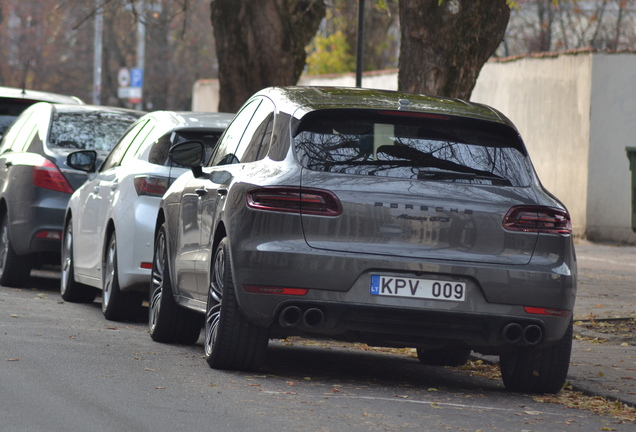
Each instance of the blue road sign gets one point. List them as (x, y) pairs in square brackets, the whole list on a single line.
[(136, 77)]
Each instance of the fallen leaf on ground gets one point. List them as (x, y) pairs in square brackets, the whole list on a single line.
[(596, 404)]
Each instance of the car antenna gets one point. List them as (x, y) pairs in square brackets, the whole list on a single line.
[(26, 73)]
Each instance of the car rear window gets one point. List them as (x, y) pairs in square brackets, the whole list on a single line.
[(88, 130), (412, 146), (11, 108), (158, 154)]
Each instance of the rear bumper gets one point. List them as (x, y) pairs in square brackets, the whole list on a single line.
[(27, 219), (339, 285), (401, 327), (135, 238)]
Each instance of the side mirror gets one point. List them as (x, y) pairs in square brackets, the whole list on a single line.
[(83, 160), (190, 154)]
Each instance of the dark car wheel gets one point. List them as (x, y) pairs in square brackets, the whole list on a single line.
[(70, 289), (168, 322), (15, 270), (116, 304), (537, 370), (444, 356), (230, 341)]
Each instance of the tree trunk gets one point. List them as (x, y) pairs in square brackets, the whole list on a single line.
[(261, 44), (444, 46)]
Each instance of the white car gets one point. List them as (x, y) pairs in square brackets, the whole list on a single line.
[(109, 224)]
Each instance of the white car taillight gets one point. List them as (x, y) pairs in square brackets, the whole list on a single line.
[(152, 186)]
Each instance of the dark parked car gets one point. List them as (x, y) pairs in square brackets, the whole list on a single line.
[(109, 224), (36, 183), (14, 100), (386, 218)]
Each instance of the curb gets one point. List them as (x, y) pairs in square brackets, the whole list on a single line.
[(587, 390)]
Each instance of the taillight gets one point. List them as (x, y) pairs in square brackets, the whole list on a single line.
[(547, 311), (50, 235), (295, 200), (538, 219), (48, 176), (152, 186)]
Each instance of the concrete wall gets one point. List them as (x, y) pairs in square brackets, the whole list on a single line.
[(384, 80), (205, 95), (613, 119)]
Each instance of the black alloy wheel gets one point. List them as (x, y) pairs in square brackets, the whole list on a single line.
[(230, 341), (167, 321), (15, 270)]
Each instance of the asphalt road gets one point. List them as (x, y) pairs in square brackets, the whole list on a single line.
[(64, 368)]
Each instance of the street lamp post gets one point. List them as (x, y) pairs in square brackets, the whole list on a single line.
[(97, 58), (359, 54)]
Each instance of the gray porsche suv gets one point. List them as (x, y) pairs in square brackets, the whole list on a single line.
[(380, 217)]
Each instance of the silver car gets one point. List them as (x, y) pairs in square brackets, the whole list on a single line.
[(361, 215), (109, 221)]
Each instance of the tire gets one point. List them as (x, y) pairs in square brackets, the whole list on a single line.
[(538, 370), (444, 356), (15, 270), (230, 342), (71, 290), (117, 305), (168, 322)]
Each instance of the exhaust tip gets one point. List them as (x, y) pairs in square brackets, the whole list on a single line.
[(291, 316), (313, 317), (532, 334), (512, 333)]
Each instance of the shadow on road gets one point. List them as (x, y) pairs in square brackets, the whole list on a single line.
[(353, 365), (331, 363)]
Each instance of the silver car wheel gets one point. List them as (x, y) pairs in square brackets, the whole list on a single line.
[(215, 299), (67, 259), (109, 273), (70, 289), (4, 245)]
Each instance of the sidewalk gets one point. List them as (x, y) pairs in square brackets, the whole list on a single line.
[(604, 363)]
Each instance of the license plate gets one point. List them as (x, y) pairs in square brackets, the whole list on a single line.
[(417, 288)]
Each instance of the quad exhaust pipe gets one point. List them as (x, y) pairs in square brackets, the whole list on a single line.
[(517, 334), (293, 316)]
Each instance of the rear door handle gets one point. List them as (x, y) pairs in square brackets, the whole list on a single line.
[(201, 191)]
